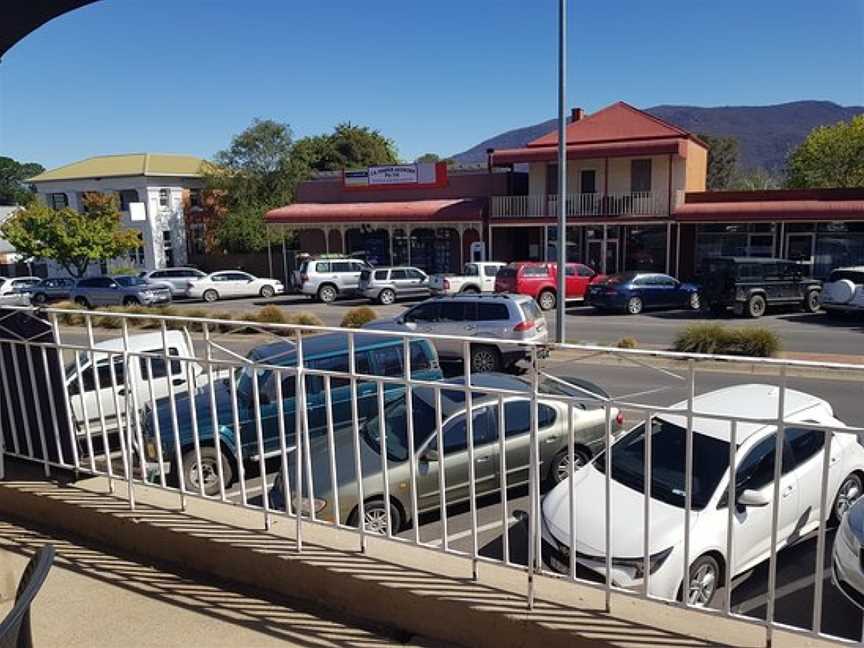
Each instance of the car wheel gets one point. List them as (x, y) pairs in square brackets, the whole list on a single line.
[(39, 299), (848, 493), (375, 517), (547, 300), (210, 296), (82, 302), (207, 471), (267, 291), (326, 294), (634, 305), (130, 301), (695, 302), (560, 468), (703, 581), (386, 297), (485, 359), (756, 306), (811, 302)]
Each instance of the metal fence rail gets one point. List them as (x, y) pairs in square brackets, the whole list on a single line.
[(371, 448)]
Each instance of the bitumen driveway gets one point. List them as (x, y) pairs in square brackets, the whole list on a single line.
[(799, 332)]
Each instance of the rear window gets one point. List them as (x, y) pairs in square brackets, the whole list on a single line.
[(506, 272), (531, 310), (491, 271), (381, 274), (855, 276), (535, 271)]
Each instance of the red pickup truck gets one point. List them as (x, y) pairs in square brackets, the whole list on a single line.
[(540, 280)]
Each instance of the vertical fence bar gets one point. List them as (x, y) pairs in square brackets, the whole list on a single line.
[(331, 447), (607, 581), (136, 411), (355, 433), (106, 447), (283, 448), (688, 479), (259, 435), (39, 421), (214, 413), (298, 439), (88, 434), (442, 481), (409, 427), (571, 458), (178, 451), (193, 415), (385, 473), (22, 401), (472, 468), (67, 405), (502, 461), (534, 480), (820, 541), (127, 473), (646, 522), (730, 517), (49, 383), (238, 440), (154, 417), (12, 423), (775, 507)]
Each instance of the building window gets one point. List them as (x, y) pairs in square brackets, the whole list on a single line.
[(163, 198), (588, 181), (640, 176), (199, 239), (168, 248), (136, 256), (58, 200), (126, 196), (734, 239), (551, 179), (195, 198)]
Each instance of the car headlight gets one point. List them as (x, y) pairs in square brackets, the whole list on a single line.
[(150, 451), (655, 561), (306, 505), (147, 293)]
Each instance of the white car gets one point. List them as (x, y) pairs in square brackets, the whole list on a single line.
[(17, 285), (475, 278), (233, 283), (847, 563), (799, 510), (843, 291)]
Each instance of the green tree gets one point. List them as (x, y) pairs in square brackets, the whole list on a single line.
[(13, 190), (831, 156), (253, 175), (348, 147), (429, 157), (72, 239), (722, 161), (758, 179)]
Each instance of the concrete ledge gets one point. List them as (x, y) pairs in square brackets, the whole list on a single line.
[(408, 589)]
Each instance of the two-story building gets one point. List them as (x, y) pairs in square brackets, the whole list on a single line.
[(166, 188)]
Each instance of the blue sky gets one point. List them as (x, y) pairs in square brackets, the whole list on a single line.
[(184, 75)]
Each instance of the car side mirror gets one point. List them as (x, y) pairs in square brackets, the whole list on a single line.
[(429, 455), (753, 498)]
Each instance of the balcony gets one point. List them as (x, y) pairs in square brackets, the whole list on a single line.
[(640, 203)]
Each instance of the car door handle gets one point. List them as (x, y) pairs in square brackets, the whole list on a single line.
[(483, 459), (470, 327), (178, 381), (788, 491), (834, 460), (551, 439)]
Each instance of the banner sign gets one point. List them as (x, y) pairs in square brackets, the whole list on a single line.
[(397, 176)]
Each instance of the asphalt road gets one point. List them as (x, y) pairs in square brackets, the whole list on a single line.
[(800, 332)]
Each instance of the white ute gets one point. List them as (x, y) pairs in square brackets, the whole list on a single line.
[(476, 277)]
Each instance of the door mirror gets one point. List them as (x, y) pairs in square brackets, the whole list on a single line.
[(753, 498), (429, 455)]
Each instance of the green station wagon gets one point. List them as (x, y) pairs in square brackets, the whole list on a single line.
[(374, 355)]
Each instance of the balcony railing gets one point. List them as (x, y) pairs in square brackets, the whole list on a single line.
[(640, 203)]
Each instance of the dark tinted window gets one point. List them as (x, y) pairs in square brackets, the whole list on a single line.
[(490, 271), (381, 274), (757, 469), (89, 381), (398, 274), (421, 356), (239, 276), (341, 266), (456, 432), (331, 363), (453, 311), (487, 312), (423, 313), (804, 444), (570, 271), (471, 270), (506, 272), (415, 274), (517, 417), (750, 271), (665, 280), (388, 360), (158, 364)]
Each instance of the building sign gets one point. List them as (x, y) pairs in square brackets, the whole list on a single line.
[(397, 176)]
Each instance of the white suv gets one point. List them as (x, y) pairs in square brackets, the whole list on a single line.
[(843, 292), (327, 279)]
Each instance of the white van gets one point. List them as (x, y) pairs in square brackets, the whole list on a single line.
[(81, 381)]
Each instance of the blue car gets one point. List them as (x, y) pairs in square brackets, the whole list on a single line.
[(632, 292)]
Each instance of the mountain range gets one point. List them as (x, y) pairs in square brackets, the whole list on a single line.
[(766, 134)]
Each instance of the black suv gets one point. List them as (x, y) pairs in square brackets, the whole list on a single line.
[(749, 285)]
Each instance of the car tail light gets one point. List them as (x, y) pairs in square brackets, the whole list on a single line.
[(527, 325), (446, 285), (619, 418)]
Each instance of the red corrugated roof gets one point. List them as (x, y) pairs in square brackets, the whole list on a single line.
[(771, 210), (618, 122), (586, 151), (470, 209)]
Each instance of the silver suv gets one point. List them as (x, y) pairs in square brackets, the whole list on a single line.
[(177, 279), (327, 279), (386, 285), (116, 291), (510, 318)]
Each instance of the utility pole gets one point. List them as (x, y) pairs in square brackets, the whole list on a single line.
[(562, 171)]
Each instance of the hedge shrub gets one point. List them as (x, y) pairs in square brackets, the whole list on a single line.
[(718, 339), (357, 317)]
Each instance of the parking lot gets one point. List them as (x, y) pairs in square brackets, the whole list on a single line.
[(800, 332)]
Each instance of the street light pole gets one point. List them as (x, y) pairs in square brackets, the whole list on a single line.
[(562, 171)]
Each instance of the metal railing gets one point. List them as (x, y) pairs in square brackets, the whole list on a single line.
[(377, 442), (643, 203)]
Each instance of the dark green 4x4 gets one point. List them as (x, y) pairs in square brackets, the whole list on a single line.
[(750, 285)]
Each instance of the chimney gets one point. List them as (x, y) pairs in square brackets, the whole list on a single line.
[(576, 115)]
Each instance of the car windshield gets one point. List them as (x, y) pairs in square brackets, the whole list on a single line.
[(130, 281), (710, 460), (396, 429)]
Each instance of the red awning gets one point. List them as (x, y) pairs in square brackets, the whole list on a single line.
[(770, 210), (675, 146), (376, 212)]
